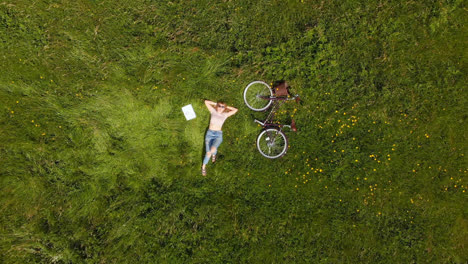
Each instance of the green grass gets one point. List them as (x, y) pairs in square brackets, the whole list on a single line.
[(99, 165)]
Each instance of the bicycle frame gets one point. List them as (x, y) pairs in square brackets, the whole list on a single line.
[(268, 122), (280, 98)]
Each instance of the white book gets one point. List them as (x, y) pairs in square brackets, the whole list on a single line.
[(189, 112)]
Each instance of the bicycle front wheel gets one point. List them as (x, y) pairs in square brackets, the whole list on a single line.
[(257, 96), (272, 143)]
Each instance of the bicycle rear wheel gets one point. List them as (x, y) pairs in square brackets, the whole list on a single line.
[(272, 143), (256, 96)]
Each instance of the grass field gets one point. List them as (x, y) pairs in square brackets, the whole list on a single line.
[(99, 165)]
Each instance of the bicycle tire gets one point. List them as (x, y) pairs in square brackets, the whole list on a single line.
[(269, 148), (253, 94)]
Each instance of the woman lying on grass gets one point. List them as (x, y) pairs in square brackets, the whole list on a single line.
[(214, 136)]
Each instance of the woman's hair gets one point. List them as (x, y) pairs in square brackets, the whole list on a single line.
[(221, 103)]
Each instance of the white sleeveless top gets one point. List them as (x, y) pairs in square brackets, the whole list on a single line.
[(217, 119)]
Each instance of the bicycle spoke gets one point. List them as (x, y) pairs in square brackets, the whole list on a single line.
[(257, 95), (272, 143)]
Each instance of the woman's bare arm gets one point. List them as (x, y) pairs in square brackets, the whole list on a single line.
[(210, 105), (232, 110)]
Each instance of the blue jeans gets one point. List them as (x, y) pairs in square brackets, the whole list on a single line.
[(212, 140)]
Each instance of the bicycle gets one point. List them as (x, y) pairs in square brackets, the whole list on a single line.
[(272, 143)]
